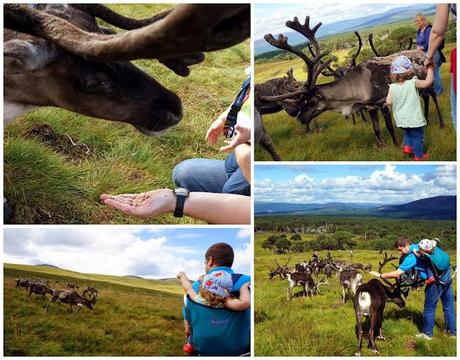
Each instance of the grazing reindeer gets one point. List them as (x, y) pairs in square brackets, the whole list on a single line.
[(424, 93), (305, 280), (370, 300), (39, 288), (73, 298), (349, 280), (359, 266), (71, 286), (23, 283), (279, 270)]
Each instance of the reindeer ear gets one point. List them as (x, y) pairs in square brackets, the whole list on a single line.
[(28, 55)]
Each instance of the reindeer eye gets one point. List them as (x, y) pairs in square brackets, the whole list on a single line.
[(98, 84)]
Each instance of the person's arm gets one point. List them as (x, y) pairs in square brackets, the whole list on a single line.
[(389, 98), (217, 127), (243, 302), (243, 158), (393, 274), (210, 207), (438, 30), (421, 84), (187, 285)]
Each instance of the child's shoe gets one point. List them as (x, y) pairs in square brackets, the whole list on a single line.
[(407, 150), (424, 157), (188, 348), (430, 280)]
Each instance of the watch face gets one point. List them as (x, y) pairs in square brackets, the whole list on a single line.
[(181, 191)]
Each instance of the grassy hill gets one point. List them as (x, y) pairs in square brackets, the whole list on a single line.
[(132, 317), (47, 180), (338, 138), (323, 326)]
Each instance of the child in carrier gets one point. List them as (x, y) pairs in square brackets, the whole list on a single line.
[(405, 103), (215, 291)]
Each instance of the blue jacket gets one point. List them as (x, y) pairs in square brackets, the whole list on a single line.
[(423, 38), (411, 261)]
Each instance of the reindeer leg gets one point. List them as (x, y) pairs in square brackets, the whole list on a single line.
[(372, 335), (267, 144), (389, 124), (359, 332), (353, 119), (343, 294), (380, 336), (375, 123), (438, 109), (289, 294)]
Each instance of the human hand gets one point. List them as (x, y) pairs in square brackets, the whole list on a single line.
[(147, 204), (428, 62), (216, 129), (180, 275), (243, 135), (200, 279), (375, 273)]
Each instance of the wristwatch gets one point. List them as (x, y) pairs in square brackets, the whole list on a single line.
[(181, 195)]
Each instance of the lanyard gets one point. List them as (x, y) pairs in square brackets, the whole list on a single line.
[(229, 127)]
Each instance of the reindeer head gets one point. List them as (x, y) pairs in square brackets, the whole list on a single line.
[(90, 294), (394, 291), (62, 57)]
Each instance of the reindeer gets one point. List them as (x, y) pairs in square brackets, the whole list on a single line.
[(280, 270), (305, 280), (23, 283), (73, 298), (370, 300), (349, 280), (359, 266), (363, 88), (40, 288), (71, 286), (424, 93), (58, 55)]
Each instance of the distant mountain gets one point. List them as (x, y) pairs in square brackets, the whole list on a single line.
[(48, 265), (390, 16), (439, 208), (133, 276)]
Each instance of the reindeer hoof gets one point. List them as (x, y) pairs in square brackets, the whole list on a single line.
[(357, 354), (380, 338), (375, 351)]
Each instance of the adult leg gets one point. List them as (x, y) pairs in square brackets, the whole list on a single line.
[(236, 183), (429, 309), (447, 300), (437, 73), (418, 137), (200, 175)]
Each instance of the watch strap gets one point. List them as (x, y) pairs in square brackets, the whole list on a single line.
[(180, 201)]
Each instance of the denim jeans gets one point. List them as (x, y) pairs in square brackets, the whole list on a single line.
[(414, 137), (216, 176), (437, 73), (453, 103), (433, 293)]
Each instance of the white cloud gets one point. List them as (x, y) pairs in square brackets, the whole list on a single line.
[(244, 233)]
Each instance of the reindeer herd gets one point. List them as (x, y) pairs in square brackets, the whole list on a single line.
[(68, 294), (356, 88), (368, 299)]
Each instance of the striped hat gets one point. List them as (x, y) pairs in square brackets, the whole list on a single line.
[(425, 244), (218, 283)]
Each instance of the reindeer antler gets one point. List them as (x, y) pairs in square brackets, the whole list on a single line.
[(386, 260)]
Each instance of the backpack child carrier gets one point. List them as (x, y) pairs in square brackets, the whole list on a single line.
[(218, 331)]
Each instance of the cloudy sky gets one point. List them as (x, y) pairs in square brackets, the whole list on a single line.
[(270, 18), (377, 184), (152, 253)]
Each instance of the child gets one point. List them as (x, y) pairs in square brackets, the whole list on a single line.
[(405, 102), (215, 291), (427, 246)]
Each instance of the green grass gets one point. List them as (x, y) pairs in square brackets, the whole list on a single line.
[(57, 183), (323, 326), (339, 139), (132, 317)]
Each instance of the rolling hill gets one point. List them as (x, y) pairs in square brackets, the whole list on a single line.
[(132, 317), (390, 16), (439, 208)]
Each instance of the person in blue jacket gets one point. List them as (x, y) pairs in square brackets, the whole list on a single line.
[(440, 289), (220, 257)]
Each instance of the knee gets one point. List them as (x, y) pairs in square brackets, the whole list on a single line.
[(181, 172)]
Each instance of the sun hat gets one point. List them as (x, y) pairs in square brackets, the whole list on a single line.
[(401, 65), (218, 283), (425, 244)]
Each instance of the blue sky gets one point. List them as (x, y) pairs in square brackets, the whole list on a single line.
[(270, 18), (150, 252), (380, 184)]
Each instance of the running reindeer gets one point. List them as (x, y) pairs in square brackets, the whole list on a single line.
[(370, 300)]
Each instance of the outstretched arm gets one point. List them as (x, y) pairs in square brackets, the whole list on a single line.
[(438, 30), (393, 274), (187, 285), (214, 208), (244, 301), (421, 84)]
